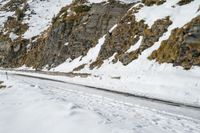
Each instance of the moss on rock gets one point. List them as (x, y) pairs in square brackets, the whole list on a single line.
[(182, 48)]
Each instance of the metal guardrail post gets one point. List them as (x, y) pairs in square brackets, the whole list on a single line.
[(7, 75)]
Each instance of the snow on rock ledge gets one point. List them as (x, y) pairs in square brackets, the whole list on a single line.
[(41, 14)]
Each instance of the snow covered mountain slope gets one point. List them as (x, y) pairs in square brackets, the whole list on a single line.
[(147, 47)]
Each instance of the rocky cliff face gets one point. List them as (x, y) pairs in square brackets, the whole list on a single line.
[(183, 46), (73, 32), (78, 26)]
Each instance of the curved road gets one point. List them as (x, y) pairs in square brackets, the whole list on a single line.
[(124, 113)]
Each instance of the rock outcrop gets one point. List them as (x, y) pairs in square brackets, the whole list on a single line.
[(183, 46), (126, 34), (74, 31), (152, 2), (78, 26)]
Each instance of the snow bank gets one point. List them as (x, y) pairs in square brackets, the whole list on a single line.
[(180, 15), (25, 108)]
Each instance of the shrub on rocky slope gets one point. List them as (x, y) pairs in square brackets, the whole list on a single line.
[(182, 47)]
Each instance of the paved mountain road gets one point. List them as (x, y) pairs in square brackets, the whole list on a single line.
[(129, 113)]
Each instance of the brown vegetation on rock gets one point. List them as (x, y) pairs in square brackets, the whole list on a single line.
[(183, 46), (126, 34), (152, 2)]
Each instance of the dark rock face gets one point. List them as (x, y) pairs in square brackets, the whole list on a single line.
[(152, 2), (81, 32), (193, 35), (11, 50), (80, 29), (13, 5), (184, 2)]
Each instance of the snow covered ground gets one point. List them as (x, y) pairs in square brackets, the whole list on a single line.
[(43, 106)]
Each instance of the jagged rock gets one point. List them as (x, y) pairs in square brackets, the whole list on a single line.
[(126, 34), (152, 2), (81, 31), (183, 46), (184, 2), (81, 28)]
